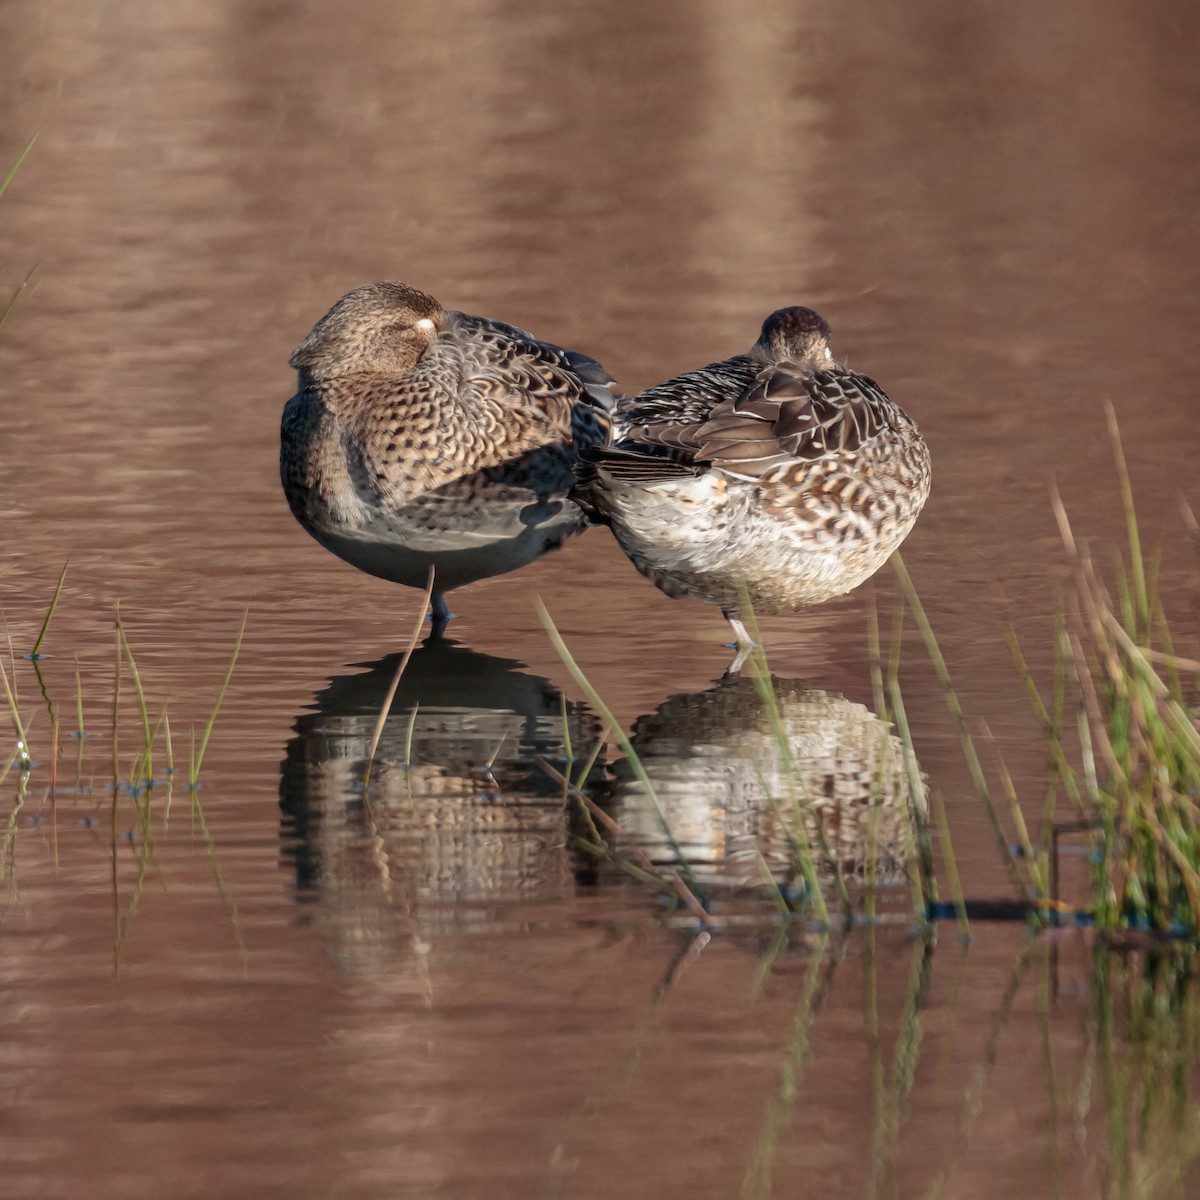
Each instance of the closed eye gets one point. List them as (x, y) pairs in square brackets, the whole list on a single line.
[(425, 323)]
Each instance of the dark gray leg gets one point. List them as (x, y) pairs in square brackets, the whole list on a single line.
[(440, 616)]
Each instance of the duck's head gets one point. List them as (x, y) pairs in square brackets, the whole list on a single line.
[(795, 335), (379, 328)]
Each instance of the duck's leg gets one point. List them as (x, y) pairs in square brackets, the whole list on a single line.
[(743, 643), (440, 616), (741, 639)]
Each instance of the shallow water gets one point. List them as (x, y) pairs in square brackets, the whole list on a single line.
[(283, 991)]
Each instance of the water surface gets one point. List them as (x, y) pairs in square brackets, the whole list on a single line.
[(280, 993)]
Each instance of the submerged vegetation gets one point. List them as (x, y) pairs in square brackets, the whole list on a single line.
[(133, 777)]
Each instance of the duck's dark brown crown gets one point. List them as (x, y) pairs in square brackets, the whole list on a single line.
[(795, 324), (796, 335)]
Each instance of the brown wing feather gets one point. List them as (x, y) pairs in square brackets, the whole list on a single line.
[(741, 418), (655, 431), (669, 413), (785, 417), (572, 389)]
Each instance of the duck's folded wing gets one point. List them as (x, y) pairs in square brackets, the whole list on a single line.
[(667, 415), (654, 432), (602, 466), (500, 356), (787, 417), (601, 390), (634, 465)]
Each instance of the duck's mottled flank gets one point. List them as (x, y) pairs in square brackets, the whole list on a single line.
[(776, 473), (422, 436)]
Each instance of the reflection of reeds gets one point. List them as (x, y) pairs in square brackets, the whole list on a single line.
[(890, 1070), (890, 1089), (1140, 1060), (768, 770), (757, 1181), (664, 878)]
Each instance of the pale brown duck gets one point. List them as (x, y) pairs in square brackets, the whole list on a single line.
[(422, 437)]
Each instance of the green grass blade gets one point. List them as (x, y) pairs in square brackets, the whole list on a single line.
[(140, 692), (635, 762), (16, 295), (20, 161), (967, 743), (914, 860), (408, 736), (796, 830), (956, 887), (773, 890), (167, 739), (198, 757), (1137, 561), (37, 645), (79, 698), (23, 754), (590, 764), (386, 707)]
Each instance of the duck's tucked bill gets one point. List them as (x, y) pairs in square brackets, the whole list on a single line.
[(775, 476)]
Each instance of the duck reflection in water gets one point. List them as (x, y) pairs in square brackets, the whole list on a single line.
[(716, 764), (461, 820)]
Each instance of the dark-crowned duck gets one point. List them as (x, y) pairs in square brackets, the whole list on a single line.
[(776, 475)]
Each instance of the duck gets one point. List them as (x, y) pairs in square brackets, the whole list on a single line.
[(422, 437), (776, 477)]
